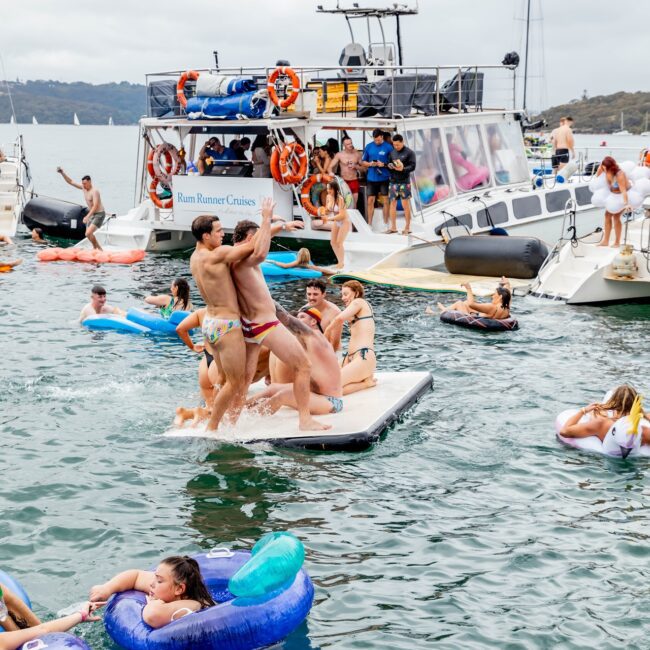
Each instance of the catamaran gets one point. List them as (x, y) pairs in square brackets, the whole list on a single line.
[(462, 125)]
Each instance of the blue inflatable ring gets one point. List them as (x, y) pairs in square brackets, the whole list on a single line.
[(235, 623)]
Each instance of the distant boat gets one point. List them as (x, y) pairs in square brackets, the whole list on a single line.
[(623, 131), (34, 120), (110, 121), (75, 120), (11, 120)]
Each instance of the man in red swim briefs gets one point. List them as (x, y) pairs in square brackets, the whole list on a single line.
[(349, 162)]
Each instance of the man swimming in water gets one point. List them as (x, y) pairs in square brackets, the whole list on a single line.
[(211, 264), (260, 323), (326, 395), (97, 305)]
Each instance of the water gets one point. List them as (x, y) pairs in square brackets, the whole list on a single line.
[(467, 526)]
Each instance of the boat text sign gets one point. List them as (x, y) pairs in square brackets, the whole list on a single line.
[(230, 199)]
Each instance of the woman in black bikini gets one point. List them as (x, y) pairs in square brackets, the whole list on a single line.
[(498, 308), (359, 362)]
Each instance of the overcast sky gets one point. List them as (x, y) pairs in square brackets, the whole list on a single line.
[(597, 45)]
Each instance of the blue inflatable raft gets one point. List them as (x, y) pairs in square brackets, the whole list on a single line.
[(273, 272), (136, 321), (274, 597), (53, 640), (248, 104)]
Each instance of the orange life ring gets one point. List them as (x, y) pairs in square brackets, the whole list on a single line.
[(305, 190), (192, 75), (172, 163), (295, 85), (157, 201), (296, 153), (275, 164)]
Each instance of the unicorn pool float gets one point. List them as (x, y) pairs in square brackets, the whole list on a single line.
[(474, 176), (629, 436), (603, 197)]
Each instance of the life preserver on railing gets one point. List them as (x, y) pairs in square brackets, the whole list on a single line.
[(157, 201), (289, 163), (172, 163), (191, 75), (305, 192), (270, 86)]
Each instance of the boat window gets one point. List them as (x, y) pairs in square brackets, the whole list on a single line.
[(506, 149), (583, 195), (468, 157), (527, 206), (431, 175), (493, 215), (556, 201), (461, 220)]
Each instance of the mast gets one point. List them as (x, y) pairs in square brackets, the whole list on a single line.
[(526, 54)]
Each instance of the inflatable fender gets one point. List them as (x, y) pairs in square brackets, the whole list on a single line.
[(271, 271), (102, 322), (156, 323), (126, 257), (235, 623), (48, 254), (249, 105), (69, 254), (460, 318)]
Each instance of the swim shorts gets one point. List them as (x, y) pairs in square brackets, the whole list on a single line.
[(336, 402), (215, 328), (399, 191), (257, 332), (560, 156), (373, 188), (97, 219)]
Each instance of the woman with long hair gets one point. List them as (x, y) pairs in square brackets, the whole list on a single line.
[(335, 213), (303, 260), (261, 156), (498, 307), (178, 301), (618, 184), (603, 415), (174, 589)]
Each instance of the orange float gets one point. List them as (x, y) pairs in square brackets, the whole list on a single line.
[(69, 254), (49, 254), (293, 154), (90, 255), (172, 162), (157, 201), (190, 75), (305, 190), (4, 268), (273, 94), (126, 257)]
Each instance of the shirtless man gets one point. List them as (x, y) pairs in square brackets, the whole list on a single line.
[(326, 394), (563, 143), (259, 322), (316, 297), (96, 213), (349, 161), (222, 328), (97, 305)]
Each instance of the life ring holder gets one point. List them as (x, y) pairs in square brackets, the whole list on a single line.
[(305, 191), (273, 94), (156, 200), (172, 163), (190, 75)]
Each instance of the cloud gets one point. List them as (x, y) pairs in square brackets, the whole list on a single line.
[(587, 44)]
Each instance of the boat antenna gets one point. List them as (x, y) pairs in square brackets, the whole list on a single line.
[(526, 54), (216, 59), (11, 100)]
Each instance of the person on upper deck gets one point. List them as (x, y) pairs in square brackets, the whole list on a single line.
[(375, 159), (348, 161), (261, 157), (402, 164)]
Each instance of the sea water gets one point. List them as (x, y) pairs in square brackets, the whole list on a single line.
[(466, 526)]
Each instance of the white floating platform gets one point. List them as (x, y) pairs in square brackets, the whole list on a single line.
[(364, 417)]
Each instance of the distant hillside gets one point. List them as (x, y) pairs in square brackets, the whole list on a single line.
[(602, 114), (54, 102)]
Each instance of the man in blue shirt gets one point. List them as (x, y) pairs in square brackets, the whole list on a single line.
[(376, 159)]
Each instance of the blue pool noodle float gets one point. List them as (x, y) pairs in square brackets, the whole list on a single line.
[(113, 322), (273, 272), (136, 321)]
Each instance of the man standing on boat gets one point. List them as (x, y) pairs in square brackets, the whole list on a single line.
[(375, 159), (402, 164), (348, 161), (96, 213), (563, 143)]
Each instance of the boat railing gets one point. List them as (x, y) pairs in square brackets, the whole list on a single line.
[(365, 91)]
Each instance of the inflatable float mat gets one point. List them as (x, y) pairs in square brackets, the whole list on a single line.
[(479, 322), (365, 416), (74, 254), (114, 322), (272, 272), (155, 322)]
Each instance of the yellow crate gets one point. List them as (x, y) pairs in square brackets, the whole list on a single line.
[(339, 99)]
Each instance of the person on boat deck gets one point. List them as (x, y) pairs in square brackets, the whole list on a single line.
[(326, 389), (212, 151), (336, 214), (644, 157), (244, 146), (316, 294), (261, 157), (563, 144), (618, 183), (303, 260), (402, 164), (359, 362), (375, 159), (37, 236), (96, 213), (174, 589), (320, 159), (97, 305), (498, 308), (178, 301), (348, 162), (603, 415)]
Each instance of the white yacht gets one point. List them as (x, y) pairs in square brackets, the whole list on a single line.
[(459, 120), (15, 186)]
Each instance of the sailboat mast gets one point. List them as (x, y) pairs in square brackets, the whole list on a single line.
[(526, 55)]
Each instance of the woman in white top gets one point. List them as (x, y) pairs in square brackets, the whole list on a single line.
[(336, 214), (261, 157)]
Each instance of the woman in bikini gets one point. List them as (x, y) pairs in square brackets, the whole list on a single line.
[(336, 214), (303, 260), (498, 308), (173, 590), (359, 362), (602, 415), (179, 300), (618, 184)]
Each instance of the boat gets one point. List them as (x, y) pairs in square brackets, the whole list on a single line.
[(12, 120), (579, 271), (110, 121), (441, 110), (34, 120), (16, 186), (75, 120), (623, 130)]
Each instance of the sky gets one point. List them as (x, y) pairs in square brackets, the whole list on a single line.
[(575, 45)]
